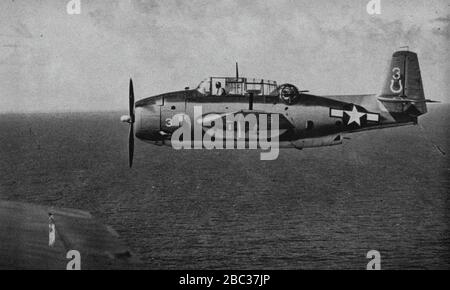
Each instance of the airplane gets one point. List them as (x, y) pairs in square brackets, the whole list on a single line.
[(304, 120)]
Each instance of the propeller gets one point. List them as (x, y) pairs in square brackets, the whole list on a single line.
[(130, 119)]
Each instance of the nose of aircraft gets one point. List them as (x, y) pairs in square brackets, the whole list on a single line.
[(148, 123), (144, 120)]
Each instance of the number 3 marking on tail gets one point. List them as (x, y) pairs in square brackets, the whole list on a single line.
[(396, 77)]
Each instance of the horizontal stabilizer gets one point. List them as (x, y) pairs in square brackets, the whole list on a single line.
[(405, 100)]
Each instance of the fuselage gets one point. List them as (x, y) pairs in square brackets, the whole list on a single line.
[(248, 113), (308, 121)]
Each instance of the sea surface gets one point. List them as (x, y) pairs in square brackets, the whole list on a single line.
[(323, 208)]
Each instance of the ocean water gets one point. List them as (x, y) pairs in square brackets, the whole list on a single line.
[(322, 208)]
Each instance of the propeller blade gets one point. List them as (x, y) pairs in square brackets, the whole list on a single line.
[(131, 144), (132, 119), (131, 101)]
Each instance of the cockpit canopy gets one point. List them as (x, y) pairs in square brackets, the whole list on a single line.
[(237, 86)]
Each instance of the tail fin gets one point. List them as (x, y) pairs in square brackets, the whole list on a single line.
[(403, 91)]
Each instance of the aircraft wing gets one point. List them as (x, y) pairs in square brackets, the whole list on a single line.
[(24, 235)]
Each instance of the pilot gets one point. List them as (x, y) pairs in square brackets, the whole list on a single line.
[(51, 230), (220, 91)]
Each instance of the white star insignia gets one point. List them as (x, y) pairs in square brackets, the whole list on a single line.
[(355, 116)]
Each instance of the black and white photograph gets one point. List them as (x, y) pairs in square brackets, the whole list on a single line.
[(224, 135)]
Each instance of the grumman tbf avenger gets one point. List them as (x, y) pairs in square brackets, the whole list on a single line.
[(303, 120)]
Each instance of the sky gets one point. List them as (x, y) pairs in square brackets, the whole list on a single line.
[(53, 61)]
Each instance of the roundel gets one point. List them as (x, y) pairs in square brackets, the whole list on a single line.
[(288, 93)]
